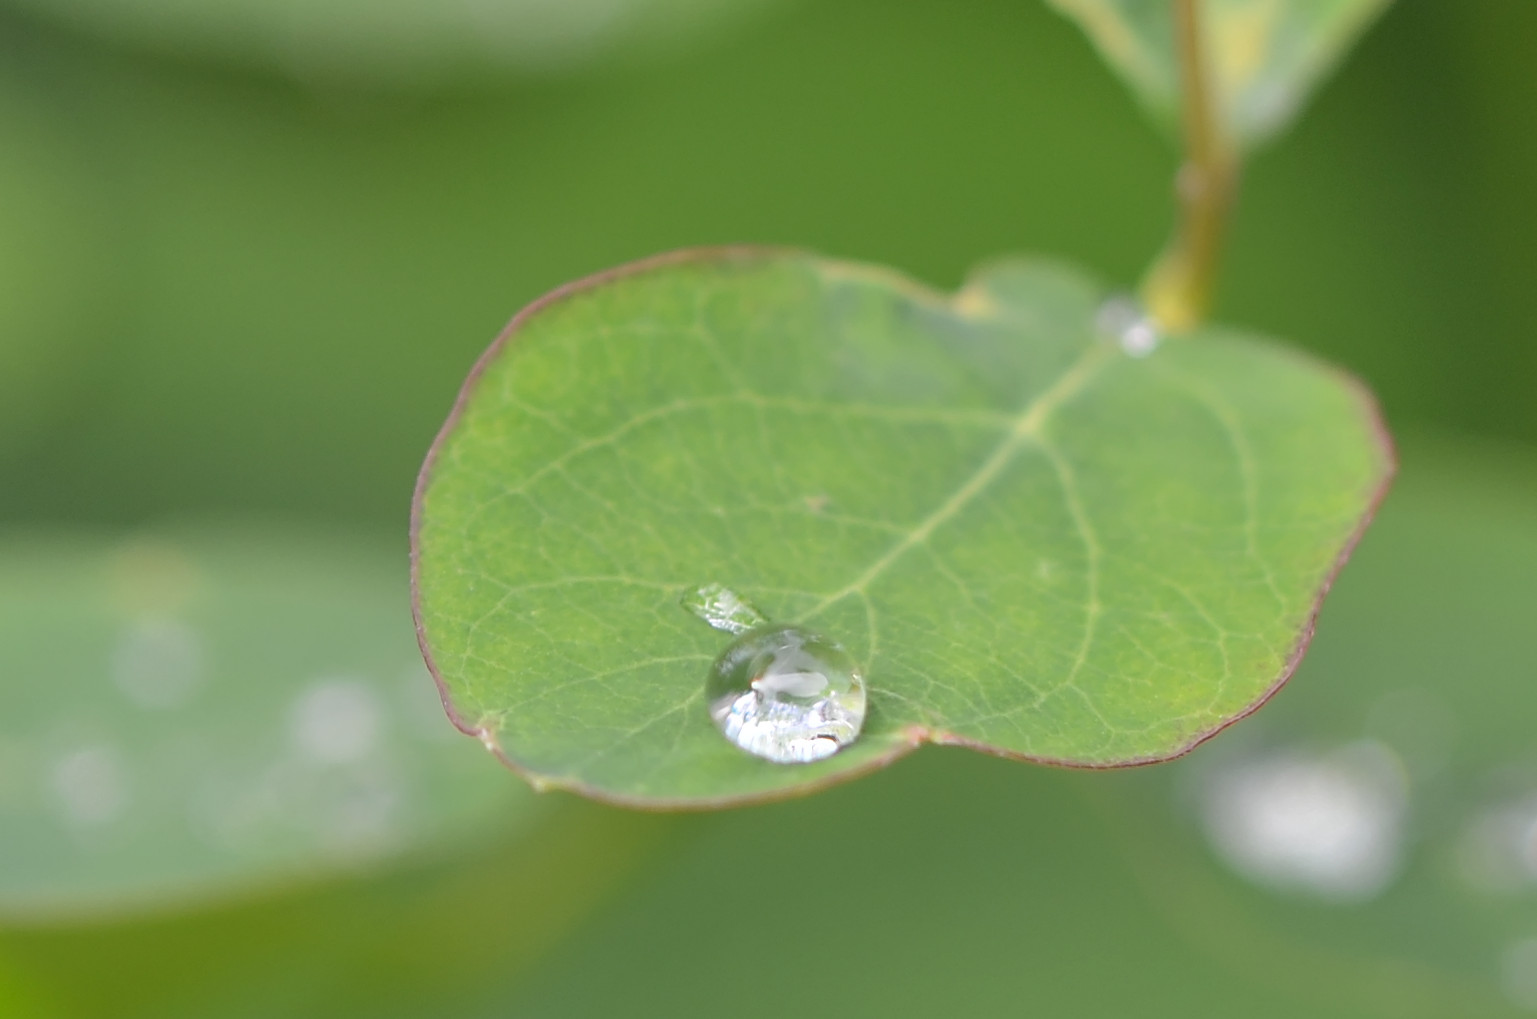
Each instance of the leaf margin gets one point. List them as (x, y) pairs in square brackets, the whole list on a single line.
[(913, 736)]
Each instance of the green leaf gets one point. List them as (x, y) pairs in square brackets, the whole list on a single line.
[(186, 717), (1266, 55), (1115, 870), (398, 40), (1035, 543), (434, 936)]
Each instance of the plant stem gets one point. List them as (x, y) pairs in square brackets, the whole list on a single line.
[(1177, 289)]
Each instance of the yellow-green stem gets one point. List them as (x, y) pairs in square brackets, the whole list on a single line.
[(1178, 288)]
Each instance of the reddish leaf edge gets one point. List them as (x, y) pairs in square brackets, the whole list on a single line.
[(913, 736)]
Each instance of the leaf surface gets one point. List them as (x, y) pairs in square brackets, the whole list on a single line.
[(1035, 543), (186, 716), (1266, 55)]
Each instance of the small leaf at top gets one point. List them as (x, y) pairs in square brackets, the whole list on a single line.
[(1264, 55), (1035, 539)]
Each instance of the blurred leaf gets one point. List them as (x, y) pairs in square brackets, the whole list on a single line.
[(440, 936), (185, 717), (1266, 55), (1036, 544), (50, 280), (383, 40), (268, 235)]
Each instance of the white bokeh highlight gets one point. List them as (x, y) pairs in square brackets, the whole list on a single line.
[(1329, 825), (157, 663), (90, 786), (336, 720)]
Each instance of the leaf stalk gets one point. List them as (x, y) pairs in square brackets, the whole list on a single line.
[(1178, 288)]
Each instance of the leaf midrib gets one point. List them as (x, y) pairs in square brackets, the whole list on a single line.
[(1025, 429)]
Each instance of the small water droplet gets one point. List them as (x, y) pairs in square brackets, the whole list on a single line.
[(722, 608), (1124, 319), (787, 694)]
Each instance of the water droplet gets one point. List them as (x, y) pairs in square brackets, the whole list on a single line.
[(787, 694), (722, 608), (1124, 320)]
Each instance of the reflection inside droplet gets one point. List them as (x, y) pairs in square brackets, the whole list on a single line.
[(787, 694), (1327, 824)]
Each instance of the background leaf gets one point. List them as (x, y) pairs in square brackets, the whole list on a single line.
[(440, 934), (1266, 55), (397, 41), (1035, 543), (50, 272), (262, 235), (196, 715)]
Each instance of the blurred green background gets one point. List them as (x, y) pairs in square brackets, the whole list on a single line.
[(247, 253)]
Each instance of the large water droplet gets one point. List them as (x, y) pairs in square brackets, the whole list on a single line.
[(787, 694)]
